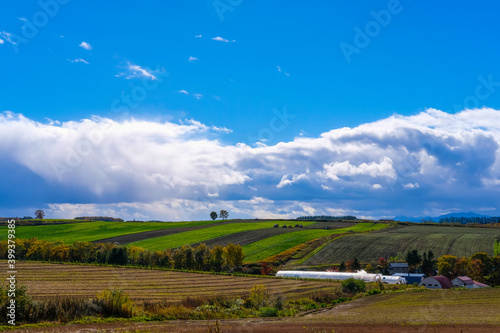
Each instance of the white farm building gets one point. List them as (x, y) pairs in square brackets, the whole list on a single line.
[(360, 275)]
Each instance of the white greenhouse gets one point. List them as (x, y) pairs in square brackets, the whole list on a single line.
[(360, 275)]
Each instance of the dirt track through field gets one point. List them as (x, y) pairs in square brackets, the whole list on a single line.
[(261, 325)]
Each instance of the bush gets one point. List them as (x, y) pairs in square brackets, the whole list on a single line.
[(259, 296), (374, 292), (114, 303), (323, 297), (268, 312), (341, 300), (353, 286)]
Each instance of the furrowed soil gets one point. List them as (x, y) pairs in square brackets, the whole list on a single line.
[(46, 281)]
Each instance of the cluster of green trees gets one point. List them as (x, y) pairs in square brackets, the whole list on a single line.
[(201, 257)]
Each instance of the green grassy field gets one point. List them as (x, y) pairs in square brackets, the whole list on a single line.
[(369, 247), (91, 231), (198, 236), (273, 245)]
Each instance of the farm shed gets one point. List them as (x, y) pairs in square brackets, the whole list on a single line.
[(436, 282), (467, 282), (398, 267), (411, 278), (360, 275), (393, 279)]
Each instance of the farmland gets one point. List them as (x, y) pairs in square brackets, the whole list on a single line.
[(92, 231), (50, 280), (418, 308), (273, 245), (396, 241)]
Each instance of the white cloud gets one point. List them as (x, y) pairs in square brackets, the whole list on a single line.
[(373, 169), (286, 181), (86, 46), (1, 41), (411, 186), (7, 37), (79, 60), (220, 39), (135, 71), (192, 58), (185, 92), (198, 36), (180, 171)]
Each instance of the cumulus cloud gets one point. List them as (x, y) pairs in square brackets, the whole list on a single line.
[(192, 58), (133, 71), (86, 46), (421, 164)]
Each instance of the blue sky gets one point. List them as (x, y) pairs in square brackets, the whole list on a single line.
[(236, 78)]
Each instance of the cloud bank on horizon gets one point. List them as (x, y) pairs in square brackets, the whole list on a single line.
[(426, 164)]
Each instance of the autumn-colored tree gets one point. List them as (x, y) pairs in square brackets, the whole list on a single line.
[(234, 256), (39, 250), (461, 267), (223, 214), (59, 252), (265, 269), (349, 265), (217, 258), (445, 265), (476, 269), (369, 269), (486, 260)]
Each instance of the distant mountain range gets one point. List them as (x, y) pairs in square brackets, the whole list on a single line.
[(436, 219)]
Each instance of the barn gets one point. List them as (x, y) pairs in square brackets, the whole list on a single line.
[(436, 282), (467, 282), (398, 267)]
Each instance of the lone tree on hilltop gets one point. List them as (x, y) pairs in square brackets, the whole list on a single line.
[(213, 215), (39, 214), (223, 214)]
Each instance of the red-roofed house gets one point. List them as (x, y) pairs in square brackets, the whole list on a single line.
[(467, 282), (436, 282)]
